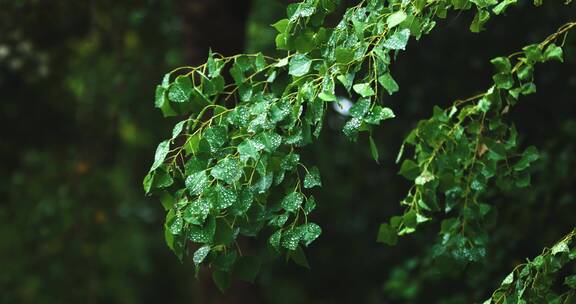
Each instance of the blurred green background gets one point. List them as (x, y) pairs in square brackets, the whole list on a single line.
[(78, 131)]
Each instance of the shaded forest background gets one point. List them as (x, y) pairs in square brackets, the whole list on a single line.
[(78, 131)]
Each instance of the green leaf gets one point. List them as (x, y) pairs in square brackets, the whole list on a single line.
[(497, 149), (195, 164), (484, 104), (161, 178), (243, 62), (525, 72), (221, 279), (395, 18), (312, 178), (181, 90), (398, 40), (203, 234), (264, 183), (178, 129), (249, 149), (167, 200), (303, 9), (378, 114), (225, 234), (225, 261), (159, 96), (201, 254), (227, 170), (163, 103), (484, 3), (560, 247), (310, 205), (214, 65), (364, 89), (503, 80), (160, 155), (197, 212), (533, 53), (213, 86), (570, 281), (278, 112), (192, 144), (260, 62), (290, 161), (387, 235), (523, 180), (409, 169), (247, 268), (299, 257), (274, 239), (166, 80), (373, 149), (410, 220), (509, 279), (176, 243), (528, 88), (360, 108), (216, 136), (292, 201), (291, 238), (148, 181), (281, 25), (351, 127), (553, 52), (480, 19), (388, 83), (327, 96), (282, 62), (245, 92), (502, 64), (299, 65), (243, 202), (420, 4), (269, 140), (310, 232), (279, 220), (225, 197), (530, 155), (330, 5), (347, 80), (344, 55), (176, 224), (502, 6), (237, 74), (424, 178), (197, 182)]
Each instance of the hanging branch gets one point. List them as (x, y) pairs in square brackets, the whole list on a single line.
[(232, 167), (463, 150), (533, 281)]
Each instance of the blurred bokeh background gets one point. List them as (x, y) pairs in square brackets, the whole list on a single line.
[(78, 131)]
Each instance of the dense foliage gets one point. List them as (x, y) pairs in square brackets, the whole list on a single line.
[(78, 134), (231, 168), (461, 149)]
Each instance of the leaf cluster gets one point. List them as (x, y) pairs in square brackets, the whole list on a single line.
[(465, 149), (534, 281), (231, 168)]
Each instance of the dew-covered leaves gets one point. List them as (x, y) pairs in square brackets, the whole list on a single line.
[(228, 170), (237, 146)]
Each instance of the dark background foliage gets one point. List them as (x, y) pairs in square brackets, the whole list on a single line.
[(78, 131)]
